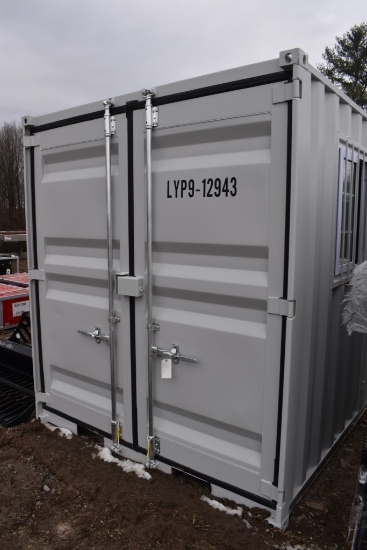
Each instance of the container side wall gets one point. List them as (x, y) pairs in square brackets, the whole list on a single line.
[(325, 170), (325, 368)]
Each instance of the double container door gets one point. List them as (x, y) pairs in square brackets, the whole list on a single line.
[(219, 200)]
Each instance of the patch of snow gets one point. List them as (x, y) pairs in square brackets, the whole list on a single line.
[(127, 465), (219, 506), (63, 432), (247, 523)]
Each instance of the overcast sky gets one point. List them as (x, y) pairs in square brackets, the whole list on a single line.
[(56, 54)]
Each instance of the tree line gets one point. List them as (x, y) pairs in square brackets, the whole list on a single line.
[(345, 65), (12, 202)]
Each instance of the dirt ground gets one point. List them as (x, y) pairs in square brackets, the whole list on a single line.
[(56, 493)]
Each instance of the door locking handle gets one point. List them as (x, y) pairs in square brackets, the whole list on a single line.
[(173, 354), (96, 335)]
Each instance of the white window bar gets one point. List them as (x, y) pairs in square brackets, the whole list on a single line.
[(351, 234), (363, 212), (344, 209), (351, 212)]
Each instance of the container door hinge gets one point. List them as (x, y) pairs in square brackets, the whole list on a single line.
[(43, 397), (279, 306), (287, 91), (36, 275), (31, 141), (268, 490)]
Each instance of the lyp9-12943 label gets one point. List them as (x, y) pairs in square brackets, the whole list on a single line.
[(207, 188)]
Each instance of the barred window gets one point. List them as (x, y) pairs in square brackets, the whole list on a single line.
[(352, 211)]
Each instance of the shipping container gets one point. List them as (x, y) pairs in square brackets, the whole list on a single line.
[(189, 250)]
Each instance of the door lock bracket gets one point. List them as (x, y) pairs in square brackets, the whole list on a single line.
[(157, 445), (173, 353), (154, 327), (153, 447), (96, 335), (114, 319)]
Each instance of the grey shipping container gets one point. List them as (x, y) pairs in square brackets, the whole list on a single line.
[(189, 251)]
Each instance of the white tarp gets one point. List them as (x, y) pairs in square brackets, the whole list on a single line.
[(355, 303)]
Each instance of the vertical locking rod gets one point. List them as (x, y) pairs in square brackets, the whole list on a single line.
[(148, 94), (112, 318)]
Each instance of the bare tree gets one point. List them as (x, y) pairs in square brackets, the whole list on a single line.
[(12, 208)]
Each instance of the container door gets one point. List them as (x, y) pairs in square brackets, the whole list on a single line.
[(71, 256), (219, 186)]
